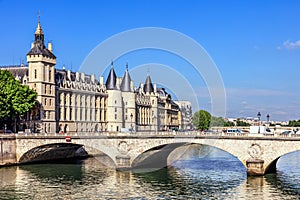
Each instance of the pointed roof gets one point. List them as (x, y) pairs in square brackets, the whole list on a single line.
[(111, 79), (39, 30), (38, 44), (126, 81), (148, 87)]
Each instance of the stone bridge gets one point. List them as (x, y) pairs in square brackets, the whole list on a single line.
[(258, 153)]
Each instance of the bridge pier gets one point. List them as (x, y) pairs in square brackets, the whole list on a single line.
[(123, 162), (255, 167)]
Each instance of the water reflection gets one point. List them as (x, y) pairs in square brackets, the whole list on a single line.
[(209, 177)]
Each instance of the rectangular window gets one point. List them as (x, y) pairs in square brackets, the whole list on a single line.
[(116, 110), (35, 73), (65, 114), (50, 75), (116, 116), (45, 101)]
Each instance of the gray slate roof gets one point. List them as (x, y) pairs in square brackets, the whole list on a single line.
[(40, 49), (111, 80), (148, 87), (126, 82)]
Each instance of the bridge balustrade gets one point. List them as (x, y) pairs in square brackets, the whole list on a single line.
[(157, 134)]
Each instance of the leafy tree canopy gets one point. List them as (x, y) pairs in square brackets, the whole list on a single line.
[(242, 123), (294, 123), (201, 120), (15, 98)]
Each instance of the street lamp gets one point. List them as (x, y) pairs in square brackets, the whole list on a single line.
[(258, 116), (131, 116), (268, 117)]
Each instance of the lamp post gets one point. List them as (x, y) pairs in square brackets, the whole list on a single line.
[(268, 118), (258, 116), (131, 116)]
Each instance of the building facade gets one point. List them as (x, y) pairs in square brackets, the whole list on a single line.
[(75, 102), (186, 115)]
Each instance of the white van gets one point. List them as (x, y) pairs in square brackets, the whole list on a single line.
[(234, 131)]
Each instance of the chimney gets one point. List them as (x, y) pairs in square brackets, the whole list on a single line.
[(101, 80), (69, 74), (77, 76), (50, 46), (93, 78)]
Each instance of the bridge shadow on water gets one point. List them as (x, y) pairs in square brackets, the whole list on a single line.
[(287, 176), (199, 172), (70, 171)]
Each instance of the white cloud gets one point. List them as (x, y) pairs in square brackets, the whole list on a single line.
[(289, 45)]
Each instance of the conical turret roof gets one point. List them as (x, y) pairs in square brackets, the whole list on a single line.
[(111, 79), (148, 87), (126, 81)]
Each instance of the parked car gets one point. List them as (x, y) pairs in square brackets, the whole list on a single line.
[(238, 131), (209, 131), (286, 132), (6, 131), (297, 132)]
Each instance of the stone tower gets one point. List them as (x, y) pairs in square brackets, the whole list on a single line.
[(128, 98), (114, 102), (41, 68), (151, 91)]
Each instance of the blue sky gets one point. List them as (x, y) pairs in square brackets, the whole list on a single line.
[(254, 44)]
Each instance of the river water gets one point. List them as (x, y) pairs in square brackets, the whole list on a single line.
[(217, 175)]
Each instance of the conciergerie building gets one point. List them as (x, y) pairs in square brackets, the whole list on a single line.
[(75, 102)]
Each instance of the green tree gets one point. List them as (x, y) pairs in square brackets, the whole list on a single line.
[(242, 123), (15, 98), (201, 120), (217, 121), (228, 123), (294, 123)]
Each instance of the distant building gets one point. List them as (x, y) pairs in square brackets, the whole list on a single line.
[(75, 102), (186, 115)]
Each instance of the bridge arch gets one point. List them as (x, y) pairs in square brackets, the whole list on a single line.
[(156, 155), (54, 151), (271, 168), (94, 147)]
